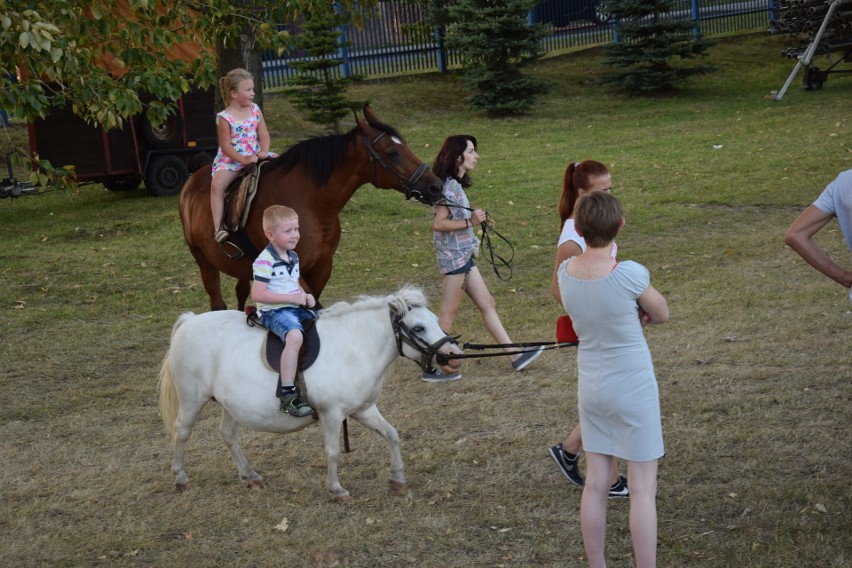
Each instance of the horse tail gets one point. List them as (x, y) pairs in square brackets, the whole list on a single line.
[(169, 402)]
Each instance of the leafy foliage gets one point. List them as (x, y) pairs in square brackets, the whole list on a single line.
[(320, 92), (496, 41), (651, 56)]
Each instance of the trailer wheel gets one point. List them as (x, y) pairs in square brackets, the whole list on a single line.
[(601, 15), (166, 135), (166, 175), (122, 183)]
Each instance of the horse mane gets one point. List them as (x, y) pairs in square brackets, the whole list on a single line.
[(401, 301), (321, 155)]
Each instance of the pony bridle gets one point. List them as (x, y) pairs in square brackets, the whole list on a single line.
[(428, 351), (408, 184)]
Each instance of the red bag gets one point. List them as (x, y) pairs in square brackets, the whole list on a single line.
[(565, 330)]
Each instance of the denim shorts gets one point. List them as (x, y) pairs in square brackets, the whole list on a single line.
[(468, 266), (284, 320)]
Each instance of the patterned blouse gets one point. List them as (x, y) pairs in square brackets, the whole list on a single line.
[(454, 249)]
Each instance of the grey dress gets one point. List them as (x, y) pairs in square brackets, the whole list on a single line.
[(617, 391)]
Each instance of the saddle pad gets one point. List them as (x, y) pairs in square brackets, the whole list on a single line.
[(307, 354)]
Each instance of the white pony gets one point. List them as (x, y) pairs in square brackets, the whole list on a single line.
[(217, 356)]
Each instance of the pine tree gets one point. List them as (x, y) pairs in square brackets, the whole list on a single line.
[(496, 41), (319, 91), (651, 56)]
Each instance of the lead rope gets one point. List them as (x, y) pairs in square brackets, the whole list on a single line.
[(486, 244)]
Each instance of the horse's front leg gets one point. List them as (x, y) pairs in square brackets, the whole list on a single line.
[(331, 423), (230, 431), (373, 419)]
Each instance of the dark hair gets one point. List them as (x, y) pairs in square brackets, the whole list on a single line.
[(598, 218), (578, 175), (446, 163)]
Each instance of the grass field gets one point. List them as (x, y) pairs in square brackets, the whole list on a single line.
[(753, 368)]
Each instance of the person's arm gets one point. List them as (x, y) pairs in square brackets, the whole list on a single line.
[(799, 237), (654, 306), (260, 292), (262, 137), (565, 251), (441, 219), (223, 130)]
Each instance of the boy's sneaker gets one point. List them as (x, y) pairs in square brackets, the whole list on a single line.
[(221, 236), (567, 465), (295, 406), (619, 488), (436, 376), (526, 358)]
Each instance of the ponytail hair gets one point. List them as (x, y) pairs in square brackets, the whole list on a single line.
[(578, 175), (230, 82)]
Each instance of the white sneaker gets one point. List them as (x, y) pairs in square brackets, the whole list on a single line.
[(526, 358), (436, 376)]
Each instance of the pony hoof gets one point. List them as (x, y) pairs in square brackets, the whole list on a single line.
[(256, 484), (181, 487), (342, 499), (397, 487)]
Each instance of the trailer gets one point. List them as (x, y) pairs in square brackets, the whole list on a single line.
[(162, 156)]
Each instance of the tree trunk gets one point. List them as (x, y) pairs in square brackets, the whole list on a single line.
[(240, 53)]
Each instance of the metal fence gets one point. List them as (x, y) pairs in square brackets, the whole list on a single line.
[(394, 42)]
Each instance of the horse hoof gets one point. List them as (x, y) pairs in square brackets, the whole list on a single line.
[(397, 487), (343, 499), (181, 487), (256, 484)]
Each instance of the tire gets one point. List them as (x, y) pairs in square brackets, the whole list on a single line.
[(122, 183), (600, 15), (813, 79), (166, 175), (167, 135)]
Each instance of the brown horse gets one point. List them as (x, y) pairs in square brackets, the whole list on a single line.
[(316, 177)]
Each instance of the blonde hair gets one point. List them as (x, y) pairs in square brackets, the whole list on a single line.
[(231, 81), (274, 214)]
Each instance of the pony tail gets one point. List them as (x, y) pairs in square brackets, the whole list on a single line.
[(569, 194), (223, 91)]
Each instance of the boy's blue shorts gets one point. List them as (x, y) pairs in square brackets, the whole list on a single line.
[(284, 320)]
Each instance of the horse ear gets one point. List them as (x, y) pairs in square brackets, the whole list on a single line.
[(361, 126), (370, 115)]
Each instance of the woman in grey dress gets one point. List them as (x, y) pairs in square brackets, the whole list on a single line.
[(617, 392)]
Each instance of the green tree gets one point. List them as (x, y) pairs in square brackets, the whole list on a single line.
[(651, 57), (496, 41), (60, 46), (319, 91)]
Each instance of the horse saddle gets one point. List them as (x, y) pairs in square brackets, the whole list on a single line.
[(240, 194), (273, 345)]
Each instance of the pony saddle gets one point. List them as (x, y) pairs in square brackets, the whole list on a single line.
[(240, 194), (274, 346)]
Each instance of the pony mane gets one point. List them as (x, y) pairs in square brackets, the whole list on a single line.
[(321, 155), (401, 301)]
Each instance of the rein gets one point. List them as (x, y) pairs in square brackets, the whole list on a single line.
[(486, 244), (443, 359), (407, 183)]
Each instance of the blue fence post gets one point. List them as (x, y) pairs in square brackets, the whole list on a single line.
[(696, 18), (441, 48), (342, 51)]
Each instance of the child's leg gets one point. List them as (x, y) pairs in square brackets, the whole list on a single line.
[(642, 480), (218, 184), (478, 292), (290, 357), (451, 295), (572, 443)]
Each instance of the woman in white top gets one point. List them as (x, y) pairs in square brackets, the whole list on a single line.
[(580, 178)]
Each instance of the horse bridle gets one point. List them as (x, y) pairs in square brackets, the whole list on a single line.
[(428, 351), (406, 183)]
